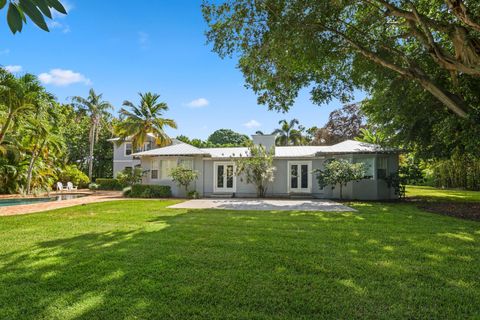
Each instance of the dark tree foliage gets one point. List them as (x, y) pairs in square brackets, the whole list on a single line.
[(418, 60), (343, 124), (227, 137)]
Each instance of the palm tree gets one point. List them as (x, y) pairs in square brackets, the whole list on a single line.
[(287, 134), (144, 119), (44, 141), (97, 109), (17, 95)]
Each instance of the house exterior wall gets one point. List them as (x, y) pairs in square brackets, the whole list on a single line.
[(121, 160), (365, 189)]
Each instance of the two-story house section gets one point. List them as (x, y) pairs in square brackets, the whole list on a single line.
[(122, 153)]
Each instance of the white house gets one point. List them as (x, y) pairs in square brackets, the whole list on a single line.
[(294, 174)]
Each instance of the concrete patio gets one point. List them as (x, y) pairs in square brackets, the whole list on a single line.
[(264, 204)]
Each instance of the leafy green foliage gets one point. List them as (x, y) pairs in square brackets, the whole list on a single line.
[(228, 137), (73, 174), (36, 10), (339, 172), (97, 110), (460, 171), (143, 119), (258, 168), (109, 184), (150, 191), (183, 177), (289, 133), (129, 177)]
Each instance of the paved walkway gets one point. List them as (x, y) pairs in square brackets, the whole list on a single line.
[(263, 204), (101, 196)]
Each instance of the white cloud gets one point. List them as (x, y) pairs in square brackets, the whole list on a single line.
[(13, 69), (61, 77), (60, 26), (198, 103), (252, 124)]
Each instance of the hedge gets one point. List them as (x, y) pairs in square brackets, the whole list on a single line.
[(149, 191), (109, 184)]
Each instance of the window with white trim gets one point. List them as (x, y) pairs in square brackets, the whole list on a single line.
[(128, 148), (165, 167), (186, 163), (382, 165), (369, 163), (155, 166)]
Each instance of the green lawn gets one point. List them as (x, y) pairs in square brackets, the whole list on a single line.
[(139, 260), (430, 193)]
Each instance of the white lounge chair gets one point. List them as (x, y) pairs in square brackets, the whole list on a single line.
[(59, 186), (70, 186)]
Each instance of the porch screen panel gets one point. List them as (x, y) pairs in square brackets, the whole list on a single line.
[(304, 176), (220, 176), (294, 176), (229, 176)]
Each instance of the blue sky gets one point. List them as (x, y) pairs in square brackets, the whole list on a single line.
[(122, 47)]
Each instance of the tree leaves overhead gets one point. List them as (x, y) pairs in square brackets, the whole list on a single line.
[(36, 10), (285, 46)]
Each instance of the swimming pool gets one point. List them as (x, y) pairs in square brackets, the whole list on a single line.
[(19, 201)]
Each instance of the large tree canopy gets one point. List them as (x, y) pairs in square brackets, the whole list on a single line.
[(334, 47), (227, 136)]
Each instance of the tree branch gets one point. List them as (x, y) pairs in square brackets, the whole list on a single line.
[(460, 11)]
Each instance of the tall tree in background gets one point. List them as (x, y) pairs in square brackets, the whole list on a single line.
[(343, 124), (227, 137), (289, 133), (146, 118), (97, 110)]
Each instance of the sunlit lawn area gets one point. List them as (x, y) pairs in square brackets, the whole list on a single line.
[(434, 194), (139, 260)]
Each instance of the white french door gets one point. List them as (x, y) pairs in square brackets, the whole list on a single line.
[(224, 177), (300, 176)]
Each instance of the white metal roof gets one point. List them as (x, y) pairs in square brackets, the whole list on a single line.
[(176, 149), (348, 146), (226, 152)]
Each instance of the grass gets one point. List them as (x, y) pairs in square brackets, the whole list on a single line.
[(140, 260), (434, 194)]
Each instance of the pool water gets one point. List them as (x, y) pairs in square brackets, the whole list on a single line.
[(19, 201)]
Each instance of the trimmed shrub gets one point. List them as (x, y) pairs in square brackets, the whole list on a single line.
[(73, 174), (149, 191), (109, 184)]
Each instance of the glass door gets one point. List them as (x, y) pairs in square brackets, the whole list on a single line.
[(299, 176), (224, 177)]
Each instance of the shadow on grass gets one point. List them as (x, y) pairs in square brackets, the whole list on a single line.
[(221, 264)]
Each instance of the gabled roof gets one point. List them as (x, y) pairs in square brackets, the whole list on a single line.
[(175, 149)]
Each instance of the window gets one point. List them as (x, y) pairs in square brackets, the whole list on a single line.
[(382, 165), (166, 166), (186, 163), (368, 162), (128, 149), (147, 146), (154, 169)]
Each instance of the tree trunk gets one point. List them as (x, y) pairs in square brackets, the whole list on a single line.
[(30, 169), (5, 127), (90, 155), (341, 191)]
